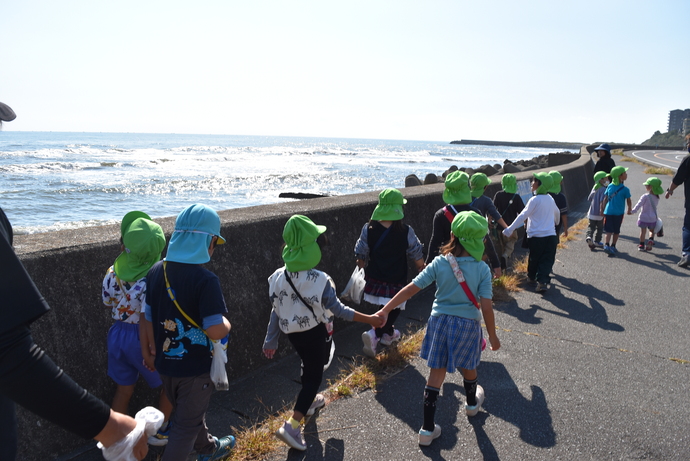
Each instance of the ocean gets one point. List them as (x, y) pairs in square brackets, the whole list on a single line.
[(51, 181)]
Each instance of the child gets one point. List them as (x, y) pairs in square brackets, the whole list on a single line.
[(542, 215), (304, 301), (613, 207), (561, 203), (478, 183), (596, 217), (647, 206), (509, 204), (386, 243), (184, 312), (124, 291), (457, 196), (453, 338)]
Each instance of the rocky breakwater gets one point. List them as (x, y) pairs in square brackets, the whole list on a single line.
[(537, 163)]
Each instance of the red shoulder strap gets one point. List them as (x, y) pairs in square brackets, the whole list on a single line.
[(448, 214)]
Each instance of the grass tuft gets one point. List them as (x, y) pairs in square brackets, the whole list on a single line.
[(655, 170)]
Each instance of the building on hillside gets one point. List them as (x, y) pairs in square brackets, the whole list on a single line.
[(675, 119), (686, 126)]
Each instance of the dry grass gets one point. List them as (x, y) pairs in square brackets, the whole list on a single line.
[(629, 159), (617, 152), (574, 232), (655, 170), (257, 441)]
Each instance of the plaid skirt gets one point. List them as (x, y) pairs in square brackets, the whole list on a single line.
[(379, 293), (452, 342)]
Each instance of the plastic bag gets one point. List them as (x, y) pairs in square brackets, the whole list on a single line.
[(149, 420), (354, 290), (219, 374), (659, 225)]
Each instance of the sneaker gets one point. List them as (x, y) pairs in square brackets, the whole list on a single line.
[(426, 437), (160, 438), (387, 339), (532, 281), (292, 437), (609, 250), (472, 410), (589, 243), (684, 261), (223, 447), (641, 247), (650, 245), (370, 342), (599, 244), (319, 402), (542, 287)]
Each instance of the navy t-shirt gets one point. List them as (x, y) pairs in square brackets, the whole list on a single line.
[(183, 350), (22, 303)]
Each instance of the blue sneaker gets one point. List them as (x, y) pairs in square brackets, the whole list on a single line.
[(609, 250), (160, 438), (223, 447)]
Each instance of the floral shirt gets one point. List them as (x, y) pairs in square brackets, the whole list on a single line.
[(124, 298)]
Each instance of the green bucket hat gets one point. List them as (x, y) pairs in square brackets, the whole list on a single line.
[(301, 251), (479, 181), (616, 173), (598, 176), (390, 206), (509, 183), (129, 219), (144, 241), (471, 228), (656, 185), (546, 182), (557, 178), (457, 191)]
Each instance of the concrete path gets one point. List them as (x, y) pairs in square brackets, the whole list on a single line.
[(597, 368)]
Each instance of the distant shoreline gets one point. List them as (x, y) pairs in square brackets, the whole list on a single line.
[(543, 144)]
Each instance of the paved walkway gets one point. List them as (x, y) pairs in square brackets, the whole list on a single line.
[(595, 369)]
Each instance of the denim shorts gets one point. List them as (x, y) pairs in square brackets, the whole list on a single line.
[(612, 223)]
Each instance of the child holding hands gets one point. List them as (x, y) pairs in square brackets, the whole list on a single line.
[(453, 337), (613, 207), (647, 206), (304, 302)]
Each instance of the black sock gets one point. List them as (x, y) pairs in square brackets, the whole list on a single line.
[(471, 391), (430, 396)]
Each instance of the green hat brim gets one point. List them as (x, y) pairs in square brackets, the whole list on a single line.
[(388, 213)]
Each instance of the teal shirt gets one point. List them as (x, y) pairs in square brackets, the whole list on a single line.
[(450, 297), (617, 196)]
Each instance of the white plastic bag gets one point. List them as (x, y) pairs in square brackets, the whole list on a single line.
[(354, 290), (659, 225), (219, 374), (149, 420)]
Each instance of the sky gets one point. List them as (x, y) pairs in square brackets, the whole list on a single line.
[(584, 71)]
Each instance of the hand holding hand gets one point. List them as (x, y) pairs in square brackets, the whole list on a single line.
[(382, 319), (506, 233), (269, 353)]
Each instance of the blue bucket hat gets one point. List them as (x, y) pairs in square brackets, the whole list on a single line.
[(195, 226), (605, 147)]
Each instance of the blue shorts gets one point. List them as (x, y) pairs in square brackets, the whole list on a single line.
[(452, 343), (125, 362), (612, 223)]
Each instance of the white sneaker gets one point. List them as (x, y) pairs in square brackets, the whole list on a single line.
[(370, 342), (387, 339), (426, 437), (319, 402), (472, 410)]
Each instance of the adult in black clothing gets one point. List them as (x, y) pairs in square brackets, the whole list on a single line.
[(458, 197), (31, 379), (605, 162), (682, 176)]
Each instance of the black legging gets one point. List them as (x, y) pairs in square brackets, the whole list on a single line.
[(31, 379), (388, 327), (312, 347)]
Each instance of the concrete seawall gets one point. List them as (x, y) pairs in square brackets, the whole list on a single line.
[(68, 268)]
